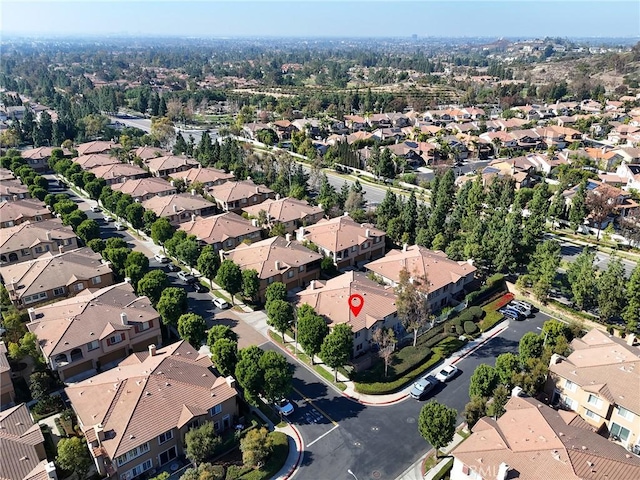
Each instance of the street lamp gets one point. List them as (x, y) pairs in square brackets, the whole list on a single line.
[(351, 473)]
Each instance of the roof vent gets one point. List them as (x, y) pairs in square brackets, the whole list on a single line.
[(131, 437), (22, 459), (147, 393)]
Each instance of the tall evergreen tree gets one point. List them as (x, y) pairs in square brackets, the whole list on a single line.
[(611, 289), (578, 209)]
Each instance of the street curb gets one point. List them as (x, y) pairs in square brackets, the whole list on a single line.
[(479, 345), (378, 404), (292, 471)]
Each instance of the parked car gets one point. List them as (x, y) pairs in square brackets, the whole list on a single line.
[(221, 303), (161, 258), (447, 373), (284, 407), (172, 267), (525, 304), (107, 218), (423, 386), (199, 288), (96, 209), (186, 277), (119, 226), (520, 308), (511, 313)]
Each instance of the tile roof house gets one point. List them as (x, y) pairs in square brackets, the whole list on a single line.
[(447, 278), (288, 211), (330, 299), (12, 190), (278, 259), (147, 153), (94, 329), (56, 276), (349, 243), (119, 172), (87, 162), (180, 207), (600, 381), (145, 188), (22, 447), (205, 176), (532, 441), (6, 174), (168, 165), (135, 416), (99, 146), (37, 158), (224, 231), (20, 211), (7, 392), (30, 240), (234, 196)]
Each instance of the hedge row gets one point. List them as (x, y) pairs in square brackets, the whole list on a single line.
[(493, 284)]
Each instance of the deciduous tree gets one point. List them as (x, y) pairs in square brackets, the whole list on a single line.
[(312, 329), (277, 374), (172, 304), (411, 302), (337, 347), (611, 290), (208, 262), (437, 424), (224, 355), (280, 315), (73, 455), (192, 328), (248, 372), (256, 446), (229, 277), (152, 285), (161, 231), (250, 284), (202, 442)]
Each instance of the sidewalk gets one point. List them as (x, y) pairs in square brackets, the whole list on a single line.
[(414, 472)]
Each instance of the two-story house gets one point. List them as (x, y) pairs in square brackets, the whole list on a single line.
[(20, 211), (234, 196), (600, 380), (13, 190), (330, 299), (224, 231), (118, 172), (30, 240), (448, 279), (93, 160), (168, 165), (205, 176), (94, 330), (278, 259), (51, 277), (98, 146), (7, 392), (347, 242), (180, 208), (135, 416), (37, 158), (288, 211), (145, 188)]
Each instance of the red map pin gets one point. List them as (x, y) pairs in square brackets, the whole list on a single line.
[(356, 302)]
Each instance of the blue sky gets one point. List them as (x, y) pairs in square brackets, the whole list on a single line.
[(523, 18)]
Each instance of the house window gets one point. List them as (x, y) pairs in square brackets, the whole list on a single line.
[(290, 274), (376, 240), (354, 248), (358, 347), (113, 339), (217, 425), (593, 416), (166, 457), (229, 243), (38, 218), (141, 327), (58, 291), (365, 245), (570, 403), (133, 453), (25, 252), (137, 470), (93, 345), (38, 249), (357, 334), (620, 432), (624, 413), (78, 286), (34, 298), (270, 279), (301, 269), (569, 385), (595, 401), (96, 280), (215, 410), (164, 437)]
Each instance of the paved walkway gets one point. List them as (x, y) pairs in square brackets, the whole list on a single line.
[(414, 472)]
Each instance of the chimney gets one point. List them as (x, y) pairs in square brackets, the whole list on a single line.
[(631, 339), (15, 197), (48, 234), (405, 246), (127, 280), (123, 319), (199, 166), (503, 471), (50, 470), (257, 189), (320, 206), (277, 196), (173, 183), (231, 381), (555, 359), (300, 234), (367, 233), (99, 429), (312, 285), (193, 192), (288, 237), (277, 265), (60, 248), (152, 350), (175, 208), (516, 392), (193, 217), (32, 314), (254, 222), (345, 214)]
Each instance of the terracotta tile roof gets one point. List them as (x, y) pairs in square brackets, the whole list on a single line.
[(13, 187), (41, 152), (95, 147), (26, 207), (94, 160), (76, 321), (30, 234), (169, 205), (144, 186), (51, 271), (219, 228), (168, 162), (419, 261), (284, 210), (340, 233), (538, 442), (125, 400), (234, 191), (4, 361), (18, 440), (262, 256), (331, 298), (117, 170), (204, 175), (145, 153), (6, 174)]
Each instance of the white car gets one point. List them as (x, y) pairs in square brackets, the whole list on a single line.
[(221, 303), (524, 310), (107, 218), (119, 226), (96, 209), (161, 258), (446, 373), (284, 407)]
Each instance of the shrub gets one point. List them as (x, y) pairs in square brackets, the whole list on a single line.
[(492, 285), (435, 340), (459, 329), (470, 328), (379, 388)]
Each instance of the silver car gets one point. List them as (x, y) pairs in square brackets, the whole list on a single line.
[(423, 386)]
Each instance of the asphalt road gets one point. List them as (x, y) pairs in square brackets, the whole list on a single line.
[(570, 251), (378, 442)]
